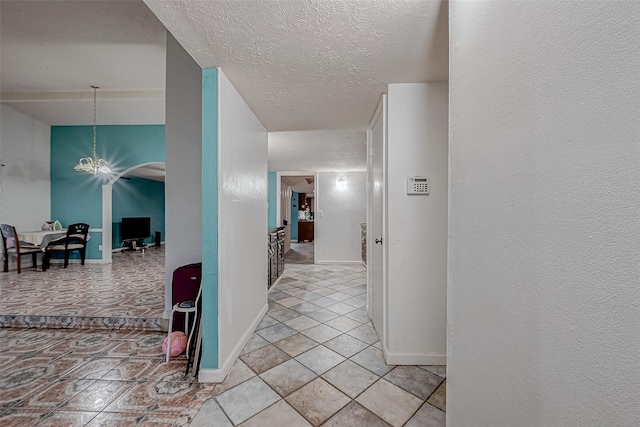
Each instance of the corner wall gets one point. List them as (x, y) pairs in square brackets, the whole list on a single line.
[(242, 224), (544, 246), (183, 184)]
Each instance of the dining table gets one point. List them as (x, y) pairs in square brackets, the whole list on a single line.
[(41, 237)]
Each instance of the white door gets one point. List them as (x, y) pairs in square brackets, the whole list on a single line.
[(376, 230)]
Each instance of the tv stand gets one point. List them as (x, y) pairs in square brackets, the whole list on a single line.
[(134, 245)]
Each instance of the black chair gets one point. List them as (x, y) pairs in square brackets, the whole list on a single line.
[(75, 240), (12, 246)]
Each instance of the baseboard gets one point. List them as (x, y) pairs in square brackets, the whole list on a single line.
[(218, 375), (77, 261), (401, 358), (324, 261)]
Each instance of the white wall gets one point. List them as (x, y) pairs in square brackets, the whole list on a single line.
[(416, 241), (183, 152), (25, 180), (544, 262), (242, 222), (337, 229)]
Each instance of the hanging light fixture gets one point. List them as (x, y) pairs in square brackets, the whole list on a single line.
[(93, 165)]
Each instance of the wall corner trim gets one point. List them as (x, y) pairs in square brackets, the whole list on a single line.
[(218, 375)]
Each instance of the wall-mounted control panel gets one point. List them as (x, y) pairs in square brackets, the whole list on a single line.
[(418, 185)]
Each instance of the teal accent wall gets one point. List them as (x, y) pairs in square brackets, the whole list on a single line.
[(138, 197), (77, 196), (210, 218), (273, 200), (295, 199)]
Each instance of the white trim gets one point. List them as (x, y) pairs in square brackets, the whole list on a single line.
[(218, 375), (415, 358), (325, 261)]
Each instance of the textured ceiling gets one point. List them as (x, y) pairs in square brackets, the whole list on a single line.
[(318, 64), (320, 150), (301, 65)]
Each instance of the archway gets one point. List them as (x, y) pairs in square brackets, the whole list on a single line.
[(107, 204)]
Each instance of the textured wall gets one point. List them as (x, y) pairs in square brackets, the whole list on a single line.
[(242, 226), (544, 248), (337, 229), (25, 181)]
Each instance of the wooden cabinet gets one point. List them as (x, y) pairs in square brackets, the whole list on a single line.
[(302, 201), (305, 231)]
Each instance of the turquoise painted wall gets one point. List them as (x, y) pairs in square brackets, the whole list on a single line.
[(77, 196), (209, 218), (138, 197), (295, 198), (273, 200)]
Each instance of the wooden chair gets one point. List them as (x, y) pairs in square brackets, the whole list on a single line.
[(75, 240), (11, 246)]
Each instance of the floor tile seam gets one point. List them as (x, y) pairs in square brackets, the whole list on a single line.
[(374, 383), (408, 391)]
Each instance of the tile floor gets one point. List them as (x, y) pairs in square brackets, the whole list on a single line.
[(300, 253), (127, 294), (313, 360)]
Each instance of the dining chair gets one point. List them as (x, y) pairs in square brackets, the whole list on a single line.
[(74, 240), (11, 246)]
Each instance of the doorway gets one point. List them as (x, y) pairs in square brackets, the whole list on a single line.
[(296, 212)]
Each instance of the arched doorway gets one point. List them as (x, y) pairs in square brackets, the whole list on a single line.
[(150, 169)]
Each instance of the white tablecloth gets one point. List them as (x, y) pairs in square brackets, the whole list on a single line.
[(41, 238)]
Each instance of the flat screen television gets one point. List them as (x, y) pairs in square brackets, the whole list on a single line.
[(135, 228)]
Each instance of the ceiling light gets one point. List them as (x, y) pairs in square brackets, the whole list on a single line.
[(341, 183), (93, 165)]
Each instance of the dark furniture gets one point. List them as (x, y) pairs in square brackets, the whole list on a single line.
[(75, 240), (305, 231), (275, 244), (11, 245)]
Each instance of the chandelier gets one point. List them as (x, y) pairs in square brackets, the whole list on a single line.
[(93, 165)]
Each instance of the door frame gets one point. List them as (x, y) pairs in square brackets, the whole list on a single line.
[(279, 218)]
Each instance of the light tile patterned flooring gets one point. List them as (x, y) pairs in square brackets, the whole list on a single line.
[(313, 360), (129, 293)]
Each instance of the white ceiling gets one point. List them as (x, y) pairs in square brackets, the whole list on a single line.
[(300, 65), (319, 64)]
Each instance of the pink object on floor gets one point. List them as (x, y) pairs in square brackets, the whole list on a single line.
[(178, 343)]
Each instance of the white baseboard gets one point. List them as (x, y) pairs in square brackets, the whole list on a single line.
[(324, 261), (401, 358), (218, 375)]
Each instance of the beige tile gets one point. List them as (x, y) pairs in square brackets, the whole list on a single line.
[(343, 324), (350, 378), (364, 333), (389, 402), (290, 302), (345, 345), (280, 414), (301, 323), (439, 397), (287, 377), (439, 370), (239, 373), (317, 401), (320, 359), (276, 332), (355, 415), (296, 344), (321, 333), (247, 399), (416, 381), (428, 416), (265, 358), (372, 359)]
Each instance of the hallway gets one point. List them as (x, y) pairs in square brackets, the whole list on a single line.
[(300, 253), (316, 360)]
